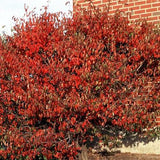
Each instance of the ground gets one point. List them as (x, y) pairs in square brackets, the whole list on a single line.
[(123, 156)]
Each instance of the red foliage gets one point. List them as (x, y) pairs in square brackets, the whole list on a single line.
[(59, 79)]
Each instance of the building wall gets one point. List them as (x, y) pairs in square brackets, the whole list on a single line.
[(136, 8), (149, 9)]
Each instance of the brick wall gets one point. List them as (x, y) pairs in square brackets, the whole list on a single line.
[(149, 9), (136, 8)]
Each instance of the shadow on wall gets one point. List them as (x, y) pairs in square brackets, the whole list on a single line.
[(131, 142)]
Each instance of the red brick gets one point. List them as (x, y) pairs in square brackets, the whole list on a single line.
[(152, 1), (129, 4), (152, 18), (140, 3), (156, 13), (156, 22), (122, 2), (139, 12), (158, 119), (135, 17), (151, 10), (81, 1), (117, 7), (113, 3), (134, 8), (155, 4), (146, 6), (111, 11), (97, 2), (145, 15), (124, 9), (104, 1)]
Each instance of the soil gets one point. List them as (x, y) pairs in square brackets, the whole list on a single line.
[(123, 156)]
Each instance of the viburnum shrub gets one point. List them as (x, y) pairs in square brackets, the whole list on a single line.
[(62, 78)]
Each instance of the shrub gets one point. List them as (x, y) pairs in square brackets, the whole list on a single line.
[(63, 79)]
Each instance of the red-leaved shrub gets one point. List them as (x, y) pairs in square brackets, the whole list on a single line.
[(60, 79)]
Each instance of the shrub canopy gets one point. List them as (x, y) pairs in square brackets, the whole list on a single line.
[(62, 79)]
